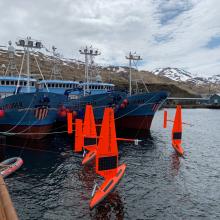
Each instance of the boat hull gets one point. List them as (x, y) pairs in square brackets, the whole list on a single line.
[(136, 117), (133, 114), (29, 115)]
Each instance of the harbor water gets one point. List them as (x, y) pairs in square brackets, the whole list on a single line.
[(53, 185)]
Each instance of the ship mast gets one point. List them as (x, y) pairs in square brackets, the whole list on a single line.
[(55, 72), (28, 44), (11, 56), (88, 52), (131, 57)]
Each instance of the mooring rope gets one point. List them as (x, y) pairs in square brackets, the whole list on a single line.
[(15, 126)]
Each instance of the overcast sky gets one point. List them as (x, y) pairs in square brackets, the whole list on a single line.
[(175, 33)]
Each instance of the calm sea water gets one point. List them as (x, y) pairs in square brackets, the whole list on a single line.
[(157, 184)]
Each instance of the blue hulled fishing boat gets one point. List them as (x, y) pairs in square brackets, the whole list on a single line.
[(133, 111), (25, 111)]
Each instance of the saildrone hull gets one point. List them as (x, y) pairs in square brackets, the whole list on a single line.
[(107, 187)]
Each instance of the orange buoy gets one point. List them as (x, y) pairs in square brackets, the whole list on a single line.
[(69, 122), (177, 131), (74, 114), (122, 106), (62, 113), (107, 159), (2, 113), (125, 101)]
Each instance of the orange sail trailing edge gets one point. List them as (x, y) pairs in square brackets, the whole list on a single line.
[(69, 122), (177, 131), (107, 158)]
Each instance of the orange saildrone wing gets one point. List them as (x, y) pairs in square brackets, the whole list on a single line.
[(107, 159), (177, 131), (89, 127), (107, 152)]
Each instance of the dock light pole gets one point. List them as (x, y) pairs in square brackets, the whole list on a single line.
[(88, 52), (27, 44), (131, 57)]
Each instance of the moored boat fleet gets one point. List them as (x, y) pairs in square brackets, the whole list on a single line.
[(29, 107)]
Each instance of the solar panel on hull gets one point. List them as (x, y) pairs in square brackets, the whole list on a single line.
[(107, 163), (177, 135)]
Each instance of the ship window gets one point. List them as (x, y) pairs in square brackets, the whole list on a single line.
[(52, 85), (21, 83), (25, 83), (48, 85), (56, 85), (67, 85), (12, 82), (3, 82), (32, 83), (7, 82)]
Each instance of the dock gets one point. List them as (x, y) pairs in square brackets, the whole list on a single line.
[(7, 210)]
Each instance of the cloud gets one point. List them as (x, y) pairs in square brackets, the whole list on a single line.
[(176, 33)]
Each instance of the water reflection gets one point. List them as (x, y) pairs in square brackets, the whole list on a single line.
[(175, 163), (112, 205), (111, 208)]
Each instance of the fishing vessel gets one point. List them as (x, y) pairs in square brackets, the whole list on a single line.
[(134, 112), (25, 111)]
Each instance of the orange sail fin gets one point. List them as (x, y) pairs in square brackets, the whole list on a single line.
[(78, 136), (89, 127), (107, 151), (177, 131)]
